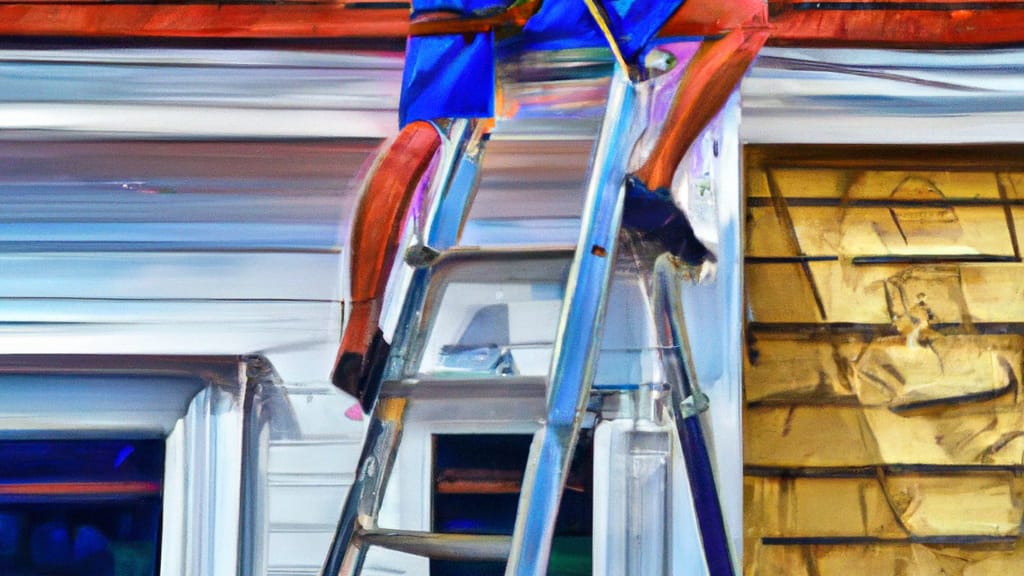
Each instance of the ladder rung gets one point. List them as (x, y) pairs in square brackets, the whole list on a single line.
[(467, 547), (507, 387)]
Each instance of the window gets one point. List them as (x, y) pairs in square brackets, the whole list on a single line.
[(477, 479), (80, 507)]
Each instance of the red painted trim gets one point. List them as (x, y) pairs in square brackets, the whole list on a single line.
[(697, 18), (374, 241), (269, 21), (898, 28), (897, 23), (777, 6)]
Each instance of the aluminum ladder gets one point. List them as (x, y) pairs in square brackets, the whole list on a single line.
[(571, 374)]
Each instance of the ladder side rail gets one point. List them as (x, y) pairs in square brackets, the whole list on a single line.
[(347, 553), (688, 404), (442, 229), (578, 336)]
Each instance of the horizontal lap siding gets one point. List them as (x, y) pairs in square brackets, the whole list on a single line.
[(883, 426)]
